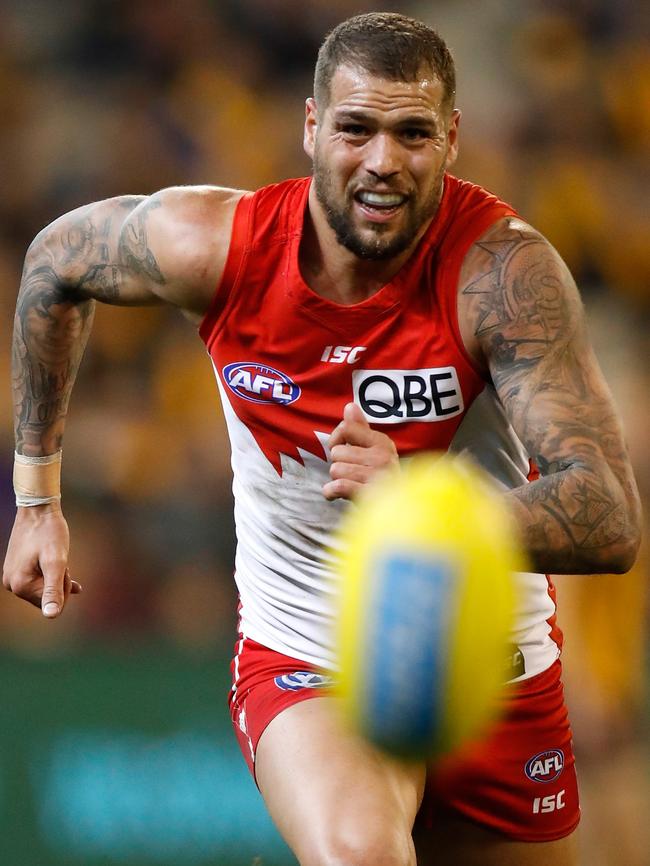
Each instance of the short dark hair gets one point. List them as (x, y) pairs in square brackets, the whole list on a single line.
[(386, 44)]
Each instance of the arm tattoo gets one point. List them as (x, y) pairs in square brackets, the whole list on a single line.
[(49, 336), (526, 316), (134, 250), (71, 264), (519, 310)]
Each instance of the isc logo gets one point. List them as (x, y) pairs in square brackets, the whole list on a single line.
[(545, 766), (549, 804), (341, 354), (396, 396), (260, 384)]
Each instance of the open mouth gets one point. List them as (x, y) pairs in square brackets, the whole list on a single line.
[(379, 206)]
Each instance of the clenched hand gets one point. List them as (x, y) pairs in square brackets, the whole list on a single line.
[(36, 565), (358, 454)]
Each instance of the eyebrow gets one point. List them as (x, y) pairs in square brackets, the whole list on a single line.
[(364, 117)]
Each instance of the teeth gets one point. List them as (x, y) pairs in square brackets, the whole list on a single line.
[(383, 199)]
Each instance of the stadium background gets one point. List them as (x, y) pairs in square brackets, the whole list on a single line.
[(114, 740)]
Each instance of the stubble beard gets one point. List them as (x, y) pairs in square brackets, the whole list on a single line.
[(378, 247)]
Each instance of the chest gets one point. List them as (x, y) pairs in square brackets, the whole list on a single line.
[(291, 367)]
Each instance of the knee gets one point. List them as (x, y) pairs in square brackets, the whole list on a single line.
[(363, 849)]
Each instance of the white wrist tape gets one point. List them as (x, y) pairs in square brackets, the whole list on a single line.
[(37, 480)]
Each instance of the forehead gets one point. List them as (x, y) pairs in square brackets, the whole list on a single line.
[(354, 89)]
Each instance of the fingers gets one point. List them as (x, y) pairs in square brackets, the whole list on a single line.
[(354, 471), (374, 455), (358, 453), (49, 594), (70, 587), (30, 587), (349, 478), (341, 488), (35, 567)]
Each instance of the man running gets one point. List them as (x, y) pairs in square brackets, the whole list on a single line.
[(379, 308)]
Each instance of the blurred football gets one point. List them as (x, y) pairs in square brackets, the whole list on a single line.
[(427, 561)]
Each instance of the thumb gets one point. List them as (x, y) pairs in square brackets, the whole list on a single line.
[(352, 412), (53, 594)]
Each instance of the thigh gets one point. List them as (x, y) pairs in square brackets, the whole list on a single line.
[(511, 798), (333, 797), (456, 842)]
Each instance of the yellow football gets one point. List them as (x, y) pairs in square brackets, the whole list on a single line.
[(426, 561)]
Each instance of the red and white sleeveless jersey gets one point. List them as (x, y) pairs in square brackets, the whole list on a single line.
[(287, 361)]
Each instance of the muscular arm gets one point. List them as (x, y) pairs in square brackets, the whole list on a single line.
[(69, 264), (134, 250), (169, 247), (522, 317)]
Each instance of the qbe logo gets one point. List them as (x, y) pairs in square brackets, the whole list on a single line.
[(260, 384), (302, 680), (545, 766), (396, 396)]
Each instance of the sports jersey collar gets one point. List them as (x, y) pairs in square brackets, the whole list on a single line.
[(389, 295)]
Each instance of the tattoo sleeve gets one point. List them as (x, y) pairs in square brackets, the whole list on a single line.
[(582, 514), (95, 253)]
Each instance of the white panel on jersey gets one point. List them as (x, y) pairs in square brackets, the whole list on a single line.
[(486, 435), (283, 563)]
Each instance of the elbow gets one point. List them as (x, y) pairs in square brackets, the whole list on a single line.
[(623, 553), (621, 530), (621, 562)]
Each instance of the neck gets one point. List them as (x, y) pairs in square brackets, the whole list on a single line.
[(332, 271)]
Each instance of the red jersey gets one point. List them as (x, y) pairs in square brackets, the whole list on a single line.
[(288, 360)]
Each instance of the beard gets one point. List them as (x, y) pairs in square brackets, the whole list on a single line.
[(382, 243)]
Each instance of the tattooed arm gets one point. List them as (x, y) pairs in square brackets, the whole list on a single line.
[(67, 265), (130, 251), (522, 319), (170, 247)]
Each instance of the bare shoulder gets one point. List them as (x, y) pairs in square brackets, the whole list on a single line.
[(138, 249), (516, 296), (186, 230), (199, 207)]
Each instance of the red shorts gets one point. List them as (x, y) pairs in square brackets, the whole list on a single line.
[(519, 781)]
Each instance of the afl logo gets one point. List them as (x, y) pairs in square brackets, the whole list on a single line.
[(260, 384), (545, 766), (302, 680)]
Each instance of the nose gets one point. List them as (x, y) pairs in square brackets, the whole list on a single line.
[(382, 157)]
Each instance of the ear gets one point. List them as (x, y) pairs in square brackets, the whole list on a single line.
[(311, 127), (452, 138)]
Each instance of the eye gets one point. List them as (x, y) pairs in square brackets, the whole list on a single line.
[(354, 130), (414, 133)]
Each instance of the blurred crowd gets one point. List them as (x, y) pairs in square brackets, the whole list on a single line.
[(103, 97)]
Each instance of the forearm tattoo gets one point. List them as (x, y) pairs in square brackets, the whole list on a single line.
[(526, 315), (75, 261)]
